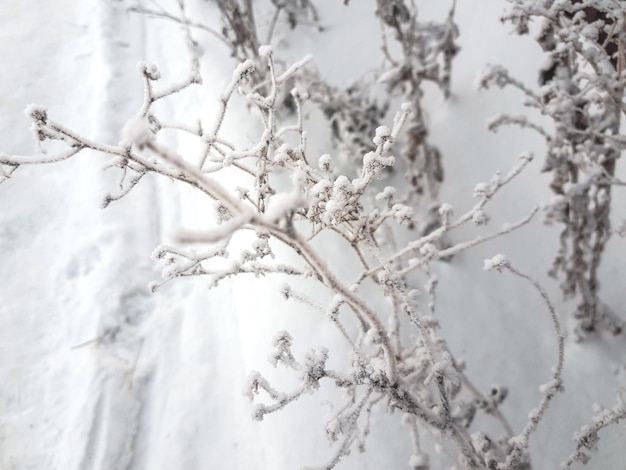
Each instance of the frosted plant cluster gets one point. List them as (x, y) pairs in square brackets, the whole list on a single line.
[(421, 379), (580, 101), (285, 196)]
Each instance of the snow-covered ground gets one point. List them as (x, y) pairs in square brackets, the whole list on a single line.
[(98, 373)]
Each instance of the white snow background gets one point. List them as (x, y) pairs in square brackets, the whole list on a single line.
[(96, 372)]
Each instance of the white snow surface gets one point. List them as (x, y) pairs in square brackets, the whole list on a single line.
[(98, 373)]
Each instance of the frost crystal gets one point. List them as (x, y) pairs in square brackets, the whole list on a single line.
[(265, 51), (387, 193), (497, 262), (243, 69), (324, 162), (37, 113), (137, 132), (481, 189), (445, 209), (382, 134), (149, 70), (480, 218)]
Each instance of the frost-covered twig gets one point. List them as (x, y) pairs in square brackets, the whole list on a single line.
[(518, 454), (164, 14), (588, 437)]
